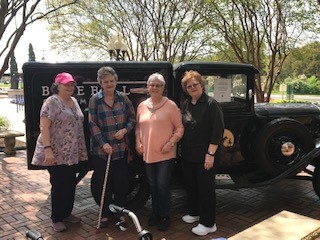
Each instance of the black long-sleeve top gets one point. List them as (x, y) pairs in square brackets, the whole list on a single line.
[(204, 125)]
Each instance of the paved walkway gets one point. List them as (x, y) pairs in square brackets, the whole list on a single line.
[(25, 204)]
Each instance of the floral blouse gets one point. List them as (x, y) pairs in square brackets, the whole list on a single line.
[(66, 133)]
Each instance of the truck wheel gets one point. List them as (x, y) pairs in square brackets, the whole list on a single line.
[(316, 180), (138, 192), (280, 144)]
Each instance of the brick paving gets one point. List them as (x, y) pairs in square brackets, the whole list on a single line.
[(25, 204)]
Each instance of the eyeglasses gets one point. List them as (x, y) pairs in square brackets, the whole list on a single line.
[(192, 85), (155, 85)]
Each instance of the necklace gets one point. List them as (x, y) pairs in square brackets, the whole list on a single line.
[(153, 106)]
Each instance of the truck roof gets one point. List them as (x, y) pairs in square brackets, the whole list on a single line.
[(221, 66), (95, 65)]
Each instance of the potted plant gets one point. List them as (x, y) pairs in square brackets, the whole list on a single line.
[(4, 123)]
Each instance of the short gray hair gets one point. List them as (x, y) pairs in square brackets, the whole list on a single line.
[(156, 76), (104, 71)]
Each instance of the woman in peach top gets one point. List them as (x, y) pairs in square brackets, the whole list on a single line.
[(159, 128)]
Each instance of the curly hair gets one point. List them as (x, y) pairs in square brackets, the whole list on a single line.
[(104, 71), (156, 76), (191, 75)]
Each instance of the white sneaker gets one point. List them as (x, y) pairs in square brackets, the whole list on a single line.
[(202, 230), (190, 219)]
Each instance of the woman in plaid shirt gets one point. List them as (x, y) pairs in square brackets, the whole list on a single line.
[(111, 117)]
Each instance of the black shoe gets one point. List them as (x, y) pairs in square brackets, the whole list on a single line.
[(164, 224), (122, 225), (153, 220)]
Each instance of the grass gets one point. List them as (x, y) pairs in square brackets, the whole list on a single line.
[(287, 101), (4, 85)]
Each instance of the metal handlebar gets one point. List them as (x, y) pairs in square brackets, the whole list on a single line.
[(142, 234), (34, 235)]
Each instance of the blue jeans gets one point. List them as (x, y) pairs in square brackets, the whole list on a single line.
[(159, 175)]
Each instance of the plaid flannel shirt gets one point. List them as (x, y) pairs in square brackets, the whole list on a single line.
[(105, 121)]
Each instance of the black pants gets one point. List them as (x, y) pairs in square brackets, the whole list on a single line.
[(63, 188), (117, 182), (201, 195)]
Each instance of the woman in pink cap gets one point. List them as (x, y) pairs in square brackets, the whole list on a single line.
[(60, 147)]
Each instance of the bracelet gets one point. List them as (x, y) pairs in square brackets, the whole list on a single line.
[(45, 147), (211, 154)]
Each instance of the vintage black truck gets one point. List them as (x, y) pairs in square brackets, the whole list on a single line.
[(263, 143)]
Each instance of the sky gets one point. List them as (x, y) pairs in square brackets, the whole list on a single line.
[(38, 35)]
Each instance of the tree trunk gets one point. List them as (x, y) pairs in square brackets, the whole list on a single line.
[(14, 82)]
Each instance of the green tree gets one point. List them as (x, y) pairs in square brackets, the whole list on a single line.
[(32, 56), (15, 17), (303, 61), (14, 72), (260, 32), (168, 30)]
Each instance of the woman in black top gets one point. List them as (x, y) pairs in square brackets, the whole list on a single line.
[(204, 126)]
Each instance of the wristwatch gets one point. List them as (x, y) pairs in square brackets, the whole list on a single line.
[(211, 153)]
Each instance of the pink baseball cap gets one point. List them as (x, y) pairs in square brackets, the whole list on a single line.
[(64, 78)]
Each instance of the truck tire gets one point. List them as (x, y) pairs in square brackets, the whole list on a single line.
[(316, 180), (280, 144), (138, 192)]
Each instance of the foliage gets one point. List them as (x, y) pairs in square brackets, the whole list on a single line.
[(153, 30), (4, 123), (260, 32), (301, 85), (15, 17), (303, 61), (14, 72), (32, 56), (308, 86)]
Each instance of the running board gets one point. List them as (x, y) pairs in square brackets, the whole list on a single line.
[(224, 181)]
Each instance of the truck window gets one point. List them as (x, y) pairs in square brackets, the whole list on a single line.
[(226, 88)]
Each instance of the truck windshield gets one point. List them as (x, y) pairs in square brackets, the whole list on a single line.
[(226, 88)]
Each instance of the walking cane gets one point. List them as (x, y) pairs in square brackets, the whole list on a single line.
[(103, 192)]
